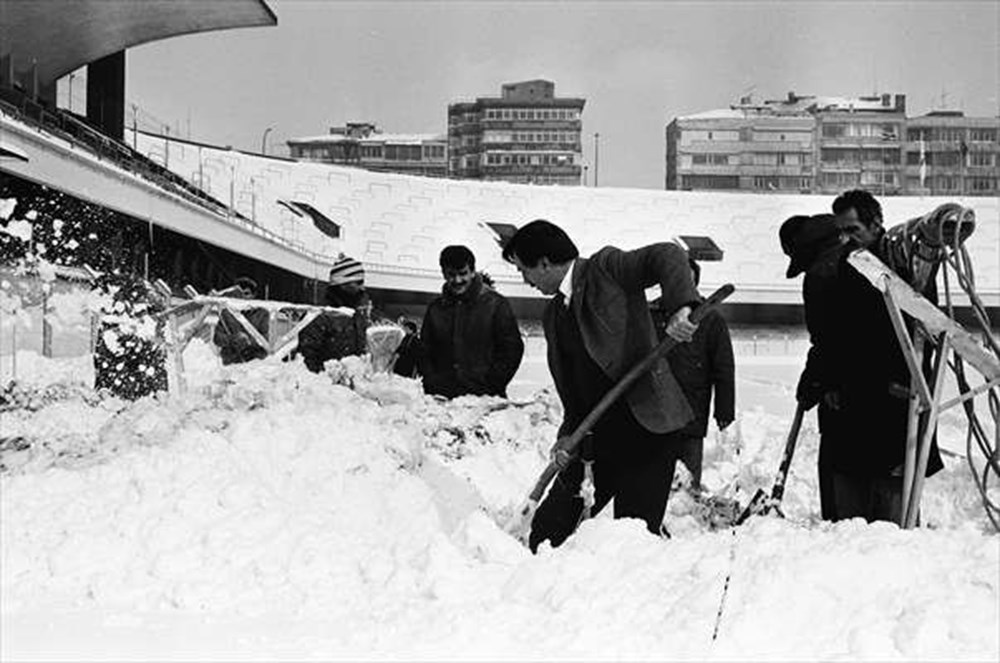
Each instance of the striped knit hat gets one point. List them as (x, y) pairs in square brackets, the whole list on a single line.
[(346, 270)]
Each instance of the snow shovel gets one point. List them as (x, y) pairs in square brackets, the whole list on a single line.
[(761, 504), (520, 525)]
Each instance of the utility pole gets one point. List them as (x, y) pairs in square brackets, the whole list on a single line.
[(263, 141), (135, 127), (597, 156)]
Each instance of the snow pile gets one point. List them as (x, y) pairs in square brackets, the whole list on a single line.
[(271, 513)]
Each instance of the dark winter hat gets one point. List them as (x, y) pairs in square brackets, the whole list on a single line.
[(805, 238), (346, 270)]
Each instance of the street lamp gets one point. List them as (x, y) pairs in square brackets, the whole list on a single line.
[(263, 141), (597, 153)]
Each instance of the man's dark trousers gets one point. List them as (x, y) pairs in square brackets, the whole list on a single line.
[(631, 464)]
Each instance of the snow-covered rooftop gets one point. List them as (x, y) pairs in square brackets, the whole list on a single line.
[(401, 139)]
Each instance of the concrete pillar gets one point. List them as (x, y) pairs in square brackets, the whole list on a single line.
[(106, 94)]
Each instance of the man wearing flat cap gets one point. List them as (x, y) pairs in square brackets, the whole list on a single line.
[(855, 372)]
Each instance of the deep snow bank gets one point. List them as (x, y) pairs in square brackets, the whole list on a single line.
[(273, 513)]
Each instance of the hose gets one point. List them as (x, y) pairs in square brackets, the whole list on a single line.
[(937, 240)]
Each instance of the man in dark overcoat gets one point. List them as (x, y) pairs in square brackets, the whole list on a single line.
[(855, 372), (597, 327)]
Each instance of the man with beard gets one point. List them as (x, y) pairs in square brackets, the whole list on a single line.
[(470, 339)]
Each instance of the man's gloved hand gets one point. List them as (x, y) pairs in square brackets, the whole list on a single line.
[(723, 424), (808, 393), (560, 453), (832, 400)]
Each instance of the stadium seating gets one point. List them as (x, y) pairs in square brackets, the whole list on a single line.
[(391, 221)]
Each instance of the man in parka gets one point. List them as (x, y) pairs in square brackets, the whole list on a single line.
[(705, 369), (470, 340)]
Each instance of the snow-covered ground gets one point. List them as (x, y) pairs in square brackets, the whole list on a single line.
[(273, 514)]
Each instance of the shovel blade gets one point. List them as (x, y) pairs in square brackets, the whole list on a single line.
[(519, 526), (758, 506)]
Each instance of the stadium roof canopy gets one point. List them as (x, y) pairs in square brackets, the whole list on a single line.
[(64, 35)]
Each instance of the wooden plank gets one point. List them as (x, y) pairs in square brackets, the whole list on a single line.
[(910, 353), (249, 329), (912, 507), (972, 393), (285, 344), (965, 344)]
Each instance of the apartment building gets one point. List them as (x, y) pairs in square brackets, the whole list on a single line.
[(526, 135), (826, 145), (947, 153), (363, 145), (746, 147)]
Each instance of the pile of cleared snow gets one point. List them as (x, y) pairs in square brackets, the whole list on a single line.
[(274, 513)]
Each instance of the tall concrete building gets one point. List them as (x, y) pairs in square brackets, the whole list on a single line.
[(747, 147), (526, 135), (826, 145), (948, 153), (859, 143), (363, 145)]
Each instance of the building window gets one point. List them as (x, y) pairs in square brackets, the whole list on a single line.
[(710, 182), (834, 130), (946, 159), (980, 158), (984, 184), (947, 183), (746, 135), (951, 135), (766, 183), (840, 180), (983, 135)]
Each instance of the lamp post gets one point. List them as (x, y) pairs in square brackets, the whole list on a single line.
[(263, 141), (597, 154)]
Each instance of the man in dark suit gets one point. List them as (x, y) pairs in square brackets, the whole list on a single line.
[(597, 327)]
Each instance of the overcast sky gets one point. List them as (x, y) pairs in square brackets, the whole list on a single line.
[(638, 64)]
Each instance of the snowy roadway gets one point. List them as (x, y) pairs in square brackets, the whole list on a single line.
[(272, 514)]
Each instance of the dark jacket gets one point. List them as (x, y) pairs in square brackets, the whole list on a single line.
[(234, 343), (855, 353), (610, 307), (702, 366), (470, 343), (335, 335)]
